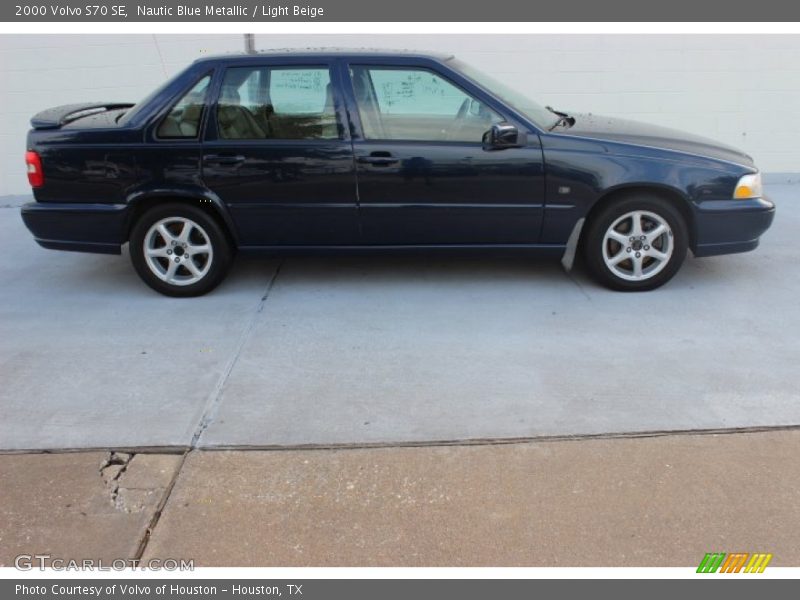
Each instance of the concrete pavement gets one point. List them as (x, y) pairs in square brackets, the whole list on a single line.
[(655, 501), (391, 350), (89, 358), (662, 501)]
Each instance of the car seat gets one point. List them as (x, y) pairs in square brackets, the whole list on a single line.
[(235, 121)]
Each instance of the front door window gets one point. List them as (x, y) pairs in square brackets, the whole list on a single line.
[(417, 105)]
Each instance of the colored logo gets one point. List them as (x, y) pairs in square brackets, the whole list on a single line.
[(737, 562)]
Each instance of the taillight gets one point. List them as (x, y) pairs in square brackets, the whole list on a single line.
[(35, 173)]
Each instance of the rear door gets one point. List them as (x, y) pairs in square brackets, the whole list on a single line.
[(424, 177), (277, 154)]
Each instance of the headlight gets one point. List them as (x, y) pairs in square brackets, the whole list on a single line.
[(749, 186)]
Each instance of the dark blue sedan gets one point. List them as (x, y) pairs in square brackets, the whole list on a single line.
[(316, 151)]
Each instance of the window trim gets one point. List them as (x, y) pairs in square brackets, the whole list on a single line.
[(493, 105)]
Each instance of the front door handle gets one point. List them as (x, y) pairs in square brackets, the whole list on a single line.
[(379, 159), (224, 159)]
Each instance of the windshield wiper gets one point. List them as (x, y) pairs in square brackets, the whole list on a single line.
[(563, 119)]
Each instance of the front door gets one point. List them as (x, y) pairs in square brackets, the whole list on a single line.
[(424, 177), (277, 154)]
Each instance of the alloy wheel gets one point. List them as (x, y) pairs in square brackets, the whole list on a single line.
[(638, 245), (178, 251)]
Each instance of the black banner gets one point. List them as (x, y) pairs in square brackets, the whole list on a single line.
[(732, 587), (408, 10)]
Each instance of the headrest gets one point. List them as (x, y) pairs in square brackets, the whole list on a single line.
[(230, 95)]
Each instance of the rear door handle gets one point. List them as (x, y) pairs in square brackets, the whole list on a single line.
[(379, 158), (224, 159)]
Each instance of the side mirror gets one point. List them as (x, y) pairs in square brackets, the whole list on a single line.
[(502, 135)]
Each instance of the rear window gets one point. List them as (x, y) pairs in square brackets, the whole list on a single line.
[(183, 121)]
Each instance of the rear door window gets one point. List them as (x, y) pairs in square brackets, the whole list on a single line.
[(279, 103)]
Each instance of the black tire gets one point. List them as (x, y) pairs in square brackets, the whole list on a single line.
[(212, 266), (594, 241)]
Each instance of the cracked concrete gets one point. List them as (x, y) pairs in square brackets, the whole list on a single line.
[(582, 502), (111, 470), (395, 351), (80, 505), (146, 478), (136, 481), (114, 464)]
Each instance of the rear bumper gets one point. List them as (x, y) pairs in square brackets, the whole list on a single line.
[(729, 226), (79, 227)]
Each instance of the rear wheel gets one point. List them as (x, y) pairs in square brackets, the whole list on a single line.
[(180, 250), (636, 244)]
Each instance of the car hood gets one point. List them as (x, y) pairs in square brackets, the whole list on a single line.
[(644, 134)]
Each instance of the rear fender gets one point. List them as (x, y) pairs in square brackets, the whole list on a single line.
[(143, 199)]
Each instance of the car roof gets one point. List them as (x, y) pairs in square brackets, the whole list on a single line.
[(318, 52)]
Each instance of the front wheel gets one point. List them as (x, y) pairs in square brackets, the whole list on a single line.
[(636, 244), (179, 250)]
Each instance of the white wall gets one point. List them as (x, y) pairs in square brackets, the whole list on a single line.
[(38, 71), (743, 90)]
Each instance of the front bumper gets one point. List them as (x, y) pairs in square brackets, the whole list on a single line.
[(729, 226), (80, 227)]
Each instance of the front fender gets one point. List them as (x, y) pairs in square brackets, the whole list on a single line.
[(580, 173)]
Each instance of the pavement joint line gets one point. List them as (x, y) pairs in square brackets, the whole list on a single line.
[(576, 282), (215, 398), (417, 444), (120, 449), (505, 441), (148, 532), (207, 416)]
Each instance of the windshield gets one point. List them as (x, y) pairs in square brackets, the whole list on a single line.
[(543, 117)]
